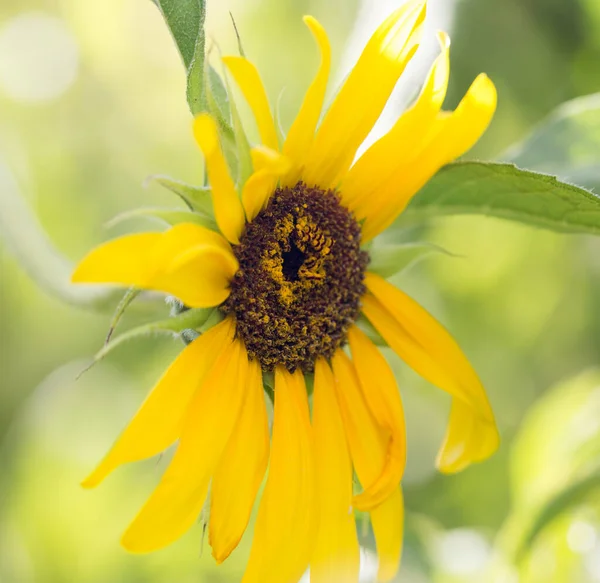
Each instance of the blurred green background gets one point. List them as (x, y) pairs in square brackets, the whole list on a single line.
[(92, 100)]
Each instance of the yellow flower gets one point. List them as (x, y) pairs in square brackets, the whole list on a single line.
[(289, 276)]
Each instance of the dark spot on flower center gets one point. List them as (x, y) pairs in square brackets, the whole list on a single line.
[(292, 262), (300, 280)]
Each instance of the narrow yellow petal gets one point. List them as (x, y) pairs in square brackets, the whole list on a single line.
[(374, 168), (251, 85), (226, 203), (284, 535), (430, 350), (368, 445), (381, 394), (364, 95), (158, 423), (336, 556), (189, 261), (240, 471), (269, 166), (178, 499), (450, 137), (387, 521), (301, 134)]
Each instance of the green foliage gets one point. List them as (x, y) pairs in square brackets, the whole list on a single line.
[(196, 198), (507, 192), (566, 144), (193, 319), (554, 463), (185, 19)]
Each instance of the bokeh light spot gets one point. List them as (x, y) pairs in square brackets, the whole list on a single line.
[(463, 552), (39, 58), (581, 537)]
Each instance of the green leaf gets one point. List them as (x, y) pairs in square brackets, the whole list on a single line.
[(553, 462), (196, 198), (507, 192), (574, 495), (388, 260), (567, 143), (168, 216), (185, 19)]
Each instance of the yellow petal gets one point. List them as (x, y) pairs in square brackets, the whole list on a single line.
[(229, 213), (284, 535), (127, 261), (368, 445), (301, 134), (240, 471), (364, 95), (189, 261), (270, 166), (430, 350), (158, 423), (450, 137), (363, 183), (249, 81), (381, 394), (387, 521), (178, 499), (336, 556), (468, 439)]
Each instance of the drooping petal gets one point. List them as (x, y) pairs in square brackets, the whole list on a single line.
[(175, 504), (381, 394), (248, 79), (240, 471), (430, 350), (387, 521), (450, 137), (229, 213), (284, 535), (364, 95), (301, 134), (189, 261), (363, 183), (269, 166), (336, 556), (368, 443), (158, 423)]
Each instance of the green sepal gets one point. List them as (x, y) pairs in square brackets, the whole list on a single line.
[(243, 159), (125, 302), (220, 109), (218, 101), (164, 216), (197, 198), (237, 36), (389, 260), (195, 319), (366, 326), (268, 380)]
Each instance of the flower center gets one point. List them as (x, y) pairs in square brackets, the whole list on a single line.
[(300, 280)]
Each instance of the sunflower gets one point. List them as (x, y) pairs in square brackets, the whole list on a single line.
[(287, 274)]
